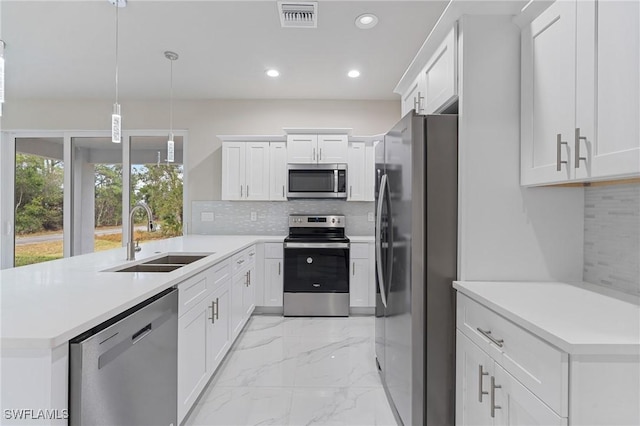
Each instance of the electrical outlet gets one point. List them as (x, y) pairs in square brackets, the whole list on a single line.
[(254, 216), (207, 217), (370, 217)]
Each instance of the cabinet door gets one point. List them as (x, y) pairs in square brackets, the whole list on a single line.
[(219, 332), (608, 88), (518, 406), (548, 95), (273, 285), (233, 170), (474, 369), (359, 283), (369, 172), (356, 171), (332, 149), (414, 97), (278, 171), (257, 171), (440, 76), (302, 148), (193, 366), (239, 281), (249, 293)]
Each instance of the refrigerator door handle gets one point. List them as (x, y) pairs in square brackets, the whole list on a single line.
[(381, 195)]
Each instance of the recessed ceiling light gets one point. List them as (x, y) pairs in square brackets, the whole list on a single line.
[(273, 73), (354, 73), (366, 21)]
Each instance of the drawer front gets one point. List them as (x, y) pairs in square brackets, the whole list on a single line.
[(542, 368), (190, 292), (250, 254), (219, 274), (359, 251), (239, 261), (274, 250)]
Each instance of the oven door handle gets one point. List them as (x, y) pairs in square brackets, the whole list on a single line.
[(317, 245)]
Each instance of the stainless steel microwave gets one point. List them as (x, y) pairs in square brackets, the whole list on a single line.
[(317, 181)]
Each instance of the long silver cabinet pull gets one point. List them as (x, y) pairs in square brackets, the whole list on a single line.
[(241, 190), (212, 317), (354, 269), (247, 191), (279, 268), (494, 407), (246, 279), (487, 334), (481, 373), (249, 277), (217, 308), (314, 154), (559, 161), (282, 191), (577, 157), (416, 103), (420, 99)]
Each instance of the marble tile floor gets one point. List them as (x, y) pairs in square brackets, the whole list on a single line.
[(297, 371)]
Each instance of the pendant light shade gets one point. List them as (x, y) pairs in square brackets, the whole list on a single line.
[(171, 56)]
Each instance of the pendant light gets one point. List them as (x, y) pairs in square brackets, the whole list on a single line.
[(171, 56), (116, 118)]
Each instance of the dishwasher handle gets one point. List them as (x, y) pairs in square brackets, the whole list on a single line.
[(141, 334)]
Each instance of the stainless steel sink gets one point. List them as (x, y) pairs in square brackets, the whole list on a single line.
[(175, 259), (149, 268), (164, 263)]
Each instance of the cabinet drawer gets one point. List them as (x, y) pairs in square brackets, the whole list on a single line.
[(219, 274), (359, 251), (273, 250), (542, 368), (251, 254), (190, 292), (239, 261)]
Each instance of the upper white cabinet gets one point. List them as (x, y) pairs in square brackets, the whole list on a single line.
[(580, 93), (436, 86), (360, 171), (278, 171), (245, 170), (316, 148)]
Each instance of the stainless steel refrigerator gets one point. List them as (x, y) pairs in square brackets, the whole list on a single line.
[(416, 263)]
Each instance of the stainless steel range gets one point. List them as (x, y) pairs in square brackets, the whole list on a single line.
[(316, 267)]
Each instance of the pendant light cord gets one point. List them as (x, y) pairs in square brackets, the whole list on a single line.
[(116, 6), (171, 102)]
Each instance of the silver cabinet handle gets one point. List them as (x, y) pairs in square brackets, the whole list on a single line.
[(416, 103), (247, 191), (487, 334), (314, 154), (494, 407), (282, 191), (577, 157), (420, 99), (559, 161), (249, 277), (353, 271), (320, 157), (241, 190), (246, 279), (212, 317), (279, 268), (217, 308), (481, 373), (240, 262)]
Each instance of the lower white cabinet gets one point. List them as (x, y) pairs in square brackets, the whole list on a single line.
[(361, 275), (193, 374), (273, 274), (487, 395), (243, 288), (237, 309), (219, 330)]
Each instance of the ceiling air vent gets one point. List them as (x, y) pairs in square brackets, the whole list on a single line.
[(302, 14)]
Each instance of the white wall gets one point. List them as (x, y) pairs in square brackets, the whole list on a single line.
[(204, 120)]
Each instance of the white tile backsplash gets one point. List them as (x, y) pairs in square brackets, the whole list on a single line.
[(612, 237), (234, 217)]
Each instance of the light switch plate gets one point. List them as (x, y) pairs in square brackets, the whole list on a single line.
[(207, 217), (370, 217), (254, 216)]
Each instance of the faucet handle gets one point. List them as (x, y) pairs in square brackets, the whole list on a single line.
[(137, 248)]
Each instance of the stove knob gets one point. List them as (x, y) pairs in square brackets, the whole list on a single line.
[(333, 220)]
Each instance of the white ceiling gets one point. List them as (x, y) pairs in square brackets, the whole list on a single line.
[(66, 49)]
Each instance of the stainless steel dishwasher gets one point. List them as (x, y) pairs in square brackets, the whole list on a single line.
[(125, 371)]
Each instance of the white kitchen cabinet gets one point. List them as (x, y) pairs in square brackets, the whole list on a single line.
[(474, 369), (245, 170), (580, 93), (436, 86), (193, 371), (316, 149), (361, 278), (360, 171), (238, 282), (439, 79), (243, 291), (273, 274), (219, 330), (278, 171)]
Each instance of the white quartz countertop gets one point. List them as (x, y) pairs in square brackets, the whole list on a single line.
[(574, 319), (47, 304)]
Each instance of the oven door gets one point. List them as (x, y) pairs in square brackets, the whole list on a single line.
[(316, 267)]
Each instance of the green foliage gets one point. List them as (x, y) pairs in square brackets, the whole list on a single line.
[(108, 198)]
